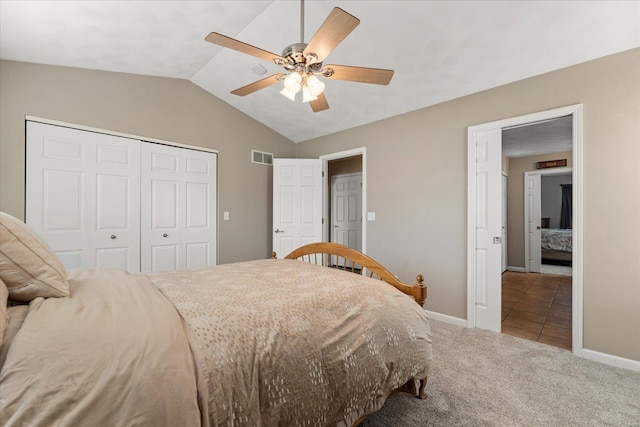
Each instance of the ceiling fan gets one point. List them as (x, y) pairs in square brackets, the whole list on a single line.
[(304, 61)]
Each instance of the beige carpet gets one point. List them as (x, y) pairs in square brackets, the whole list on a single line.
[(482, 378)]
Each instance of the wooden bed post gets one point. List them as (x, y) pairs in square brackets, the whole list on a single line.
[(420, 290)]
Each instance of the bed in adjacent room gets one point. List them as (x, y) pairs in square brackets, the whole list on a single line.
[(266, 342), (557, 245)]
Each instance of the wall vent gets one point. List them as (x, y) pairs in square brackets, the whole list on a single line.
[(261, 157)]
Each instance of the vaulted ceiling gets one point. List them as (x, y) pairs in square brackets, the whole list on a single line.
[(440, 50)]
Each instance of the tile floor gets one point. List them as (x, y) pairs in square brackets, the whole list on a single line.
[(537, 307)]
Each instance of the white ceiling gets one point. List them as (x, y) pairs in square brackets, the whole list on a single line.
[(549, 136), (440, 50)]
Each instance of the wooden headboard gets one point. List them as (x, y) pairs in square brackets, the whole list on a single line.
[(338, 256)]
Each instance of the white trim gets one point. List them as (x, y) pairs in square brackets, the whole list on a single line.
[(361, 151), (516, 269), (578, 201), (578, 233), (446, 318), (529, 118), (113, 133), (544, 172), (608, 359), (471, 227)]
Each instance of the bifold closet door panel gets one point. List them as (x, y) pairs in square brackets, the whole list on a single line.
[(83, 195), (178, 203)]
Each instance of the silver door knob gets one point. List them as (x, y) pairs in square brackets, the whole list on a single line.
[(277, 230), (165, 235), (113, 236)]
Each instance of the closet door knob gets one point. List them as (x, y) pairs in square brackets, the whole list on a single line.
[(165, 235), (113, 236)]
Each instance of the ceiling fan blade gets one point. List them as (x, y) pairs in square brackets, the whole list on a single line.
[(260, 84), (319, 104), (333, 30), (228, 42), (376, 76)]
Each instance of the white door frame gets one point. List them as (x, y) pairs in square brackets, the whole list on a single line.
[(504, 235), (577, 274), (545, 172), (361, 151)]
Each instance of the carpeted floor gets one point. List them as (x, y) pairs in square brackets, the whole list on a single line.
[(482, 378)]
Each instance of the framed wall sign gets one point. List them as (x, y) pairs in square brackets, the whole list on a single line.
[(551, 164)]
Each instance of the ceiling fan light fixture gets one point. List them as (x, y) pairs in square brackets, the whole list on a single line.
[(293, 82), (316, 87), (287, 93), (303, 62), (306, 95)]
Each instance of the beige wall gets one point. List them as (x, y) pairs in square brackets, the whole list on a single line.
[(515, 202), (169, 109), (417, 184)]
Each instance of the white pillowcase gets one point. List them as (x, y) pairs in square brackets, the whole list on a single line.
[(28, 266)]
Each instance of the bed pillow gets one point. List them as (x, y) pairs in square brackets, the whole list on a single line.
[(28, 266), (4, 296)]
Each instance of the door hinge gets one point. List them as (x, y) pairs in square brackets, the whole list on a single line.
[(323, 174), (323, 220)]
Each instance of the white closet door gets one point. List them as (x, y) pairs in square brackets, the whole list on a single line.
[(83, 195), (178, 223)]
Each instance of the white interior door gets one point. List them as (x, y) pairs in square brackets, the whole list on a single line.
[(346, 207), (297, 204), (83, 195), (532, 220), (178, 201), (488, 222), (504, 223)]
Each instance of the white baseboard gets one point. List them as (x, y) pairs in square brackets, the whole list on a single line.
[(516, 269), (608, 359), (446, 319)]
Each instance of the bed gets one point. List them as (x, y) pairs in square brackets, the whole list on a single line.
[(557, 245), (258, 343)]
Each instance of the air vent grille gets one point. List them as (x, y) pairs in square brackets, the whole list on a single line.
[(261, 157)]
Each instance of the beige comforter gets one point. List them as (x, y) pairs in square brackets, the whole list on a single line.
[(112, 354), (290, 343), (261, 343)]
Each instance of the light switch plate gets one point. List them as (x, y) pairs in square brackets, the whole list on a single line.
[(226, 216), (371, 216)]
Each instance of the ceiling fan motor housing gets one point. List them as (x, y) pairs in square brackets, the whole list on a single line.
[(294, 53)]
